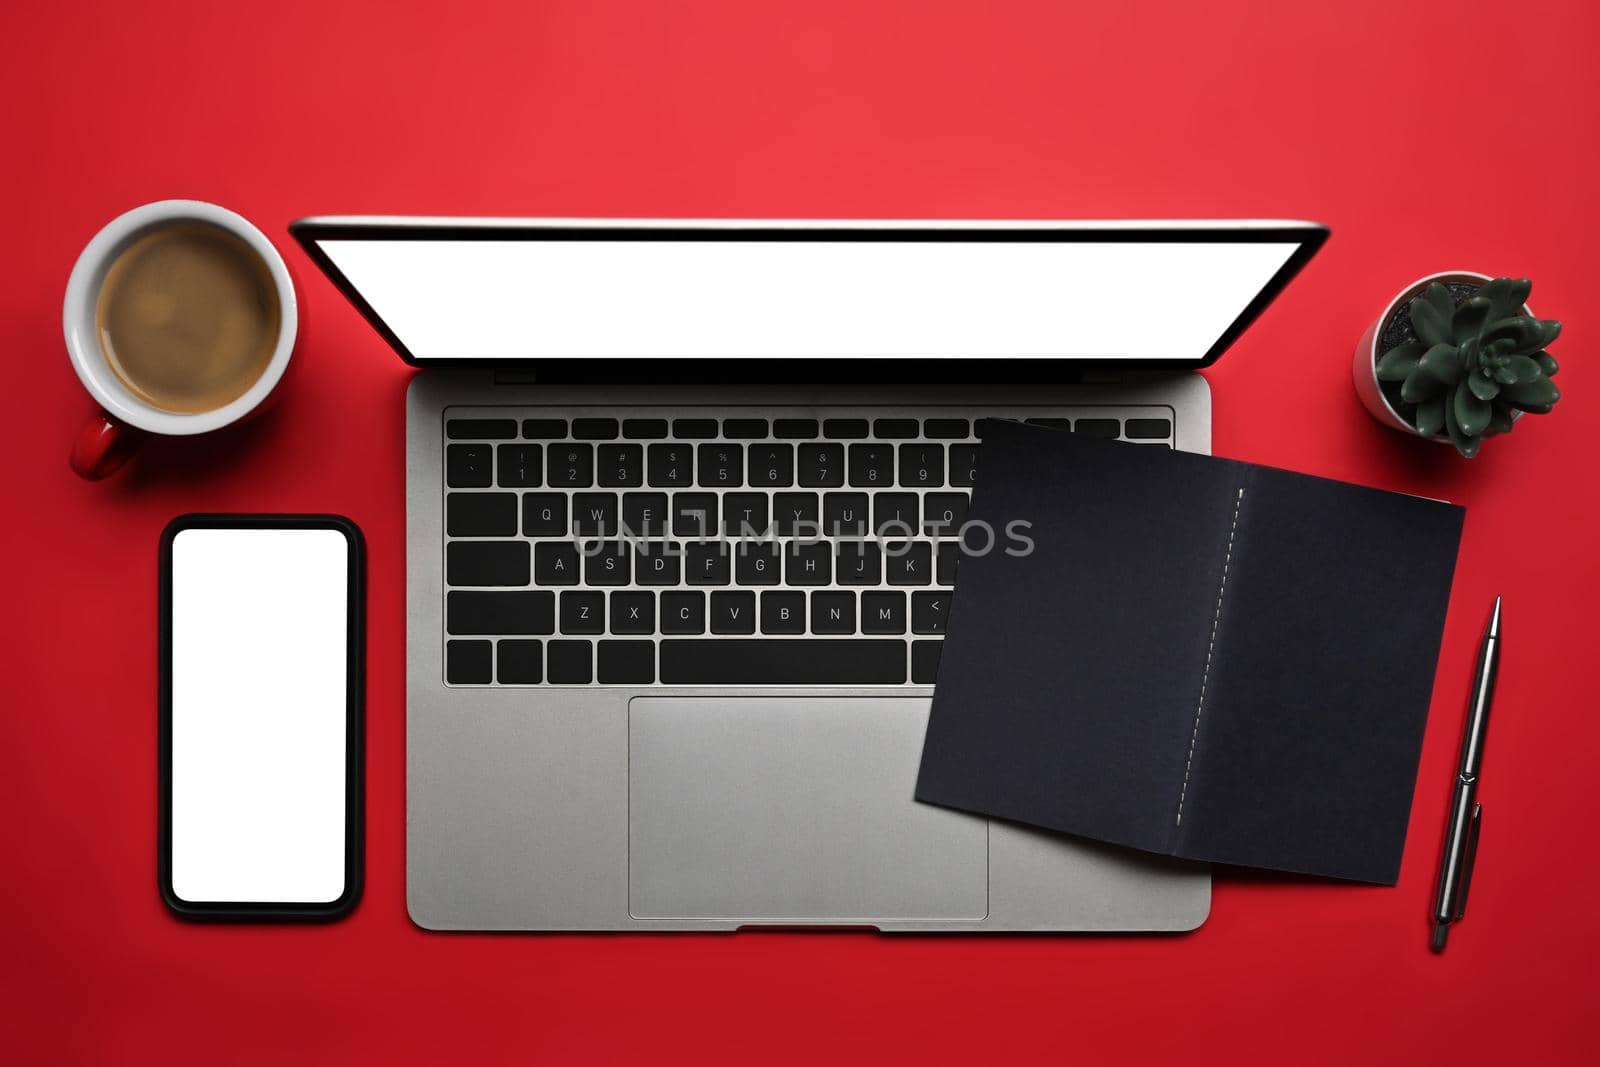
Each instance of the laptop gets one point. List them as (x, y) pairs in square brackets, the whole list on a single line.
[(685, 512)]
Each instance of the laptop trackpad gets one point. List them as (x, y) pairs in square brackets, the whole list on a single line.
[(792, 809)]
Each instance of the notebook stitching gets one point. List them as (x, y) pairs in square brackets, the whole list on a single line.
[(1205, 674)]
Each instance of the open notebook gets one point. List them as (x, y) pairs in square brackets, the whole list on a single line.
[(1200, 657)]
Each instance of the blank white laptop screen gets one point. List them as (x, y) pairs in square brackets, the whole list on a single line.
[(737, 299), (259, 711)]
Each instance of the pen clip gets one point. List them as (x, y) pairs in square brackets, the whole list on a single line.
[(1469, 859)]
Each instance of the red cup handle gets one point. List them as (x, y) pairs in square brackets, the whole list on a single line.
[(103, 446)]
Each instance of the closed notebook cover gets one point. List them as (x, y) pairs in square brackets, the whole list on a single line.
[(1198, 657)]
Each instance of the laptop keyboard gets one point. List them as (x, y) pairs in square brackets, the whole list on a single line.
[(590, 547)]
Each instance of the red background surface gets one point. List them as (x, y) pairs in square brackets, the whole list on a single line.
[(1428, 135)]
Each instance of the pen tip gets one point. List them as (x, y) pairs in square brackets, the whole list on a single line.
[(1441, 932), (1494, 619)]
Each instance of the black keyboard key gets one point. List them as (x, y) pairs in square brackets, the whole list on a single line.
[(783, 613), (555, 563), (570, 662), (707, 563), (519, 466), (657, 562), (744, 429), (594, 429), (833, 613), (1051, 423), (519, 662), (895, 514), (644, 514), (544, 515), (783, 661), (544, 429), (894, 429), (909, 563), (606, 563), (527, 612), (922, 466), (583, 613), (694, 429), (633, 613), (772, 466), (626, 663), (809, 562), (925, 661), (929, 612), (860, 563), (871, 466), (671, 466), (721, 466), (943, 513), (1149, 429), (595, 514), (797, 514), (480, 514), (733, 613), (468, 466), (963, 465), (1098, 427), (683, 613), (845, 514), (569, 466), (480, 429), (794, 429), (946, 557), (622, 465), (745, 514), (883, 613), (644, 429), (758, 563), (486, 563), (822, 466), (844, 429), (946, 429), (694, 514), (469, 662)]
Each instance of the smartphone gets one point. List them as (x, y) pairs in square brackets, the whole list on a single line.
[(261, 692)]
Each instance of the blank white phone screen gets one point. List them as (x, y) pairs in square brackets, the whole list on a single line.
[(258, 715)]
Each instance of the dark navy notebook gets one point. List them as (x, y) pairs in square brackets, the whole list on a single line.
[(1199, 657)]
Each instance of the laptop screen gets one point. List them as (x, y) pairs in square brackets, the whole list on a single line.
[(828, 291)]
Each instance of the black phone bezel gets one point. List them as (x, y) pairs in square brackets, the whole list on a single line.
[(355, 752)]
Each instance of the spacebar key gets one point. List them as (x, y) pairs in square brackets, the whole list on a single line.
[(734, 661)]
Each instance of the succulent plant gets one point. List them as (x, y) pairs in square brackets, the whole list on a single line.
[(1474, 365)]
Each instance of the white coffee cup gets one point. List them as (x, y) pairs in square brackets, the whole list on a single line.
[(114, 433)]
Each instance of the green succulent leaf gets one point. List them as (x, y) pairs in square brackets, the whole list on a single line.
[(1431, 324), (1430, 416), (1546, 363), (1400, 361), (1539, 393), (1472, 411), (1505, 376), (1499, 421), (1467, 446), (1524, 368), (1506, 296), (1483, 388), (1440, 298), (1469, 319), (1522, 332)]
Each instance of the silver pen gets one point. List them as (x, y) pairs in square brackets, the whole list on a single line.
[(1466, 814)]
